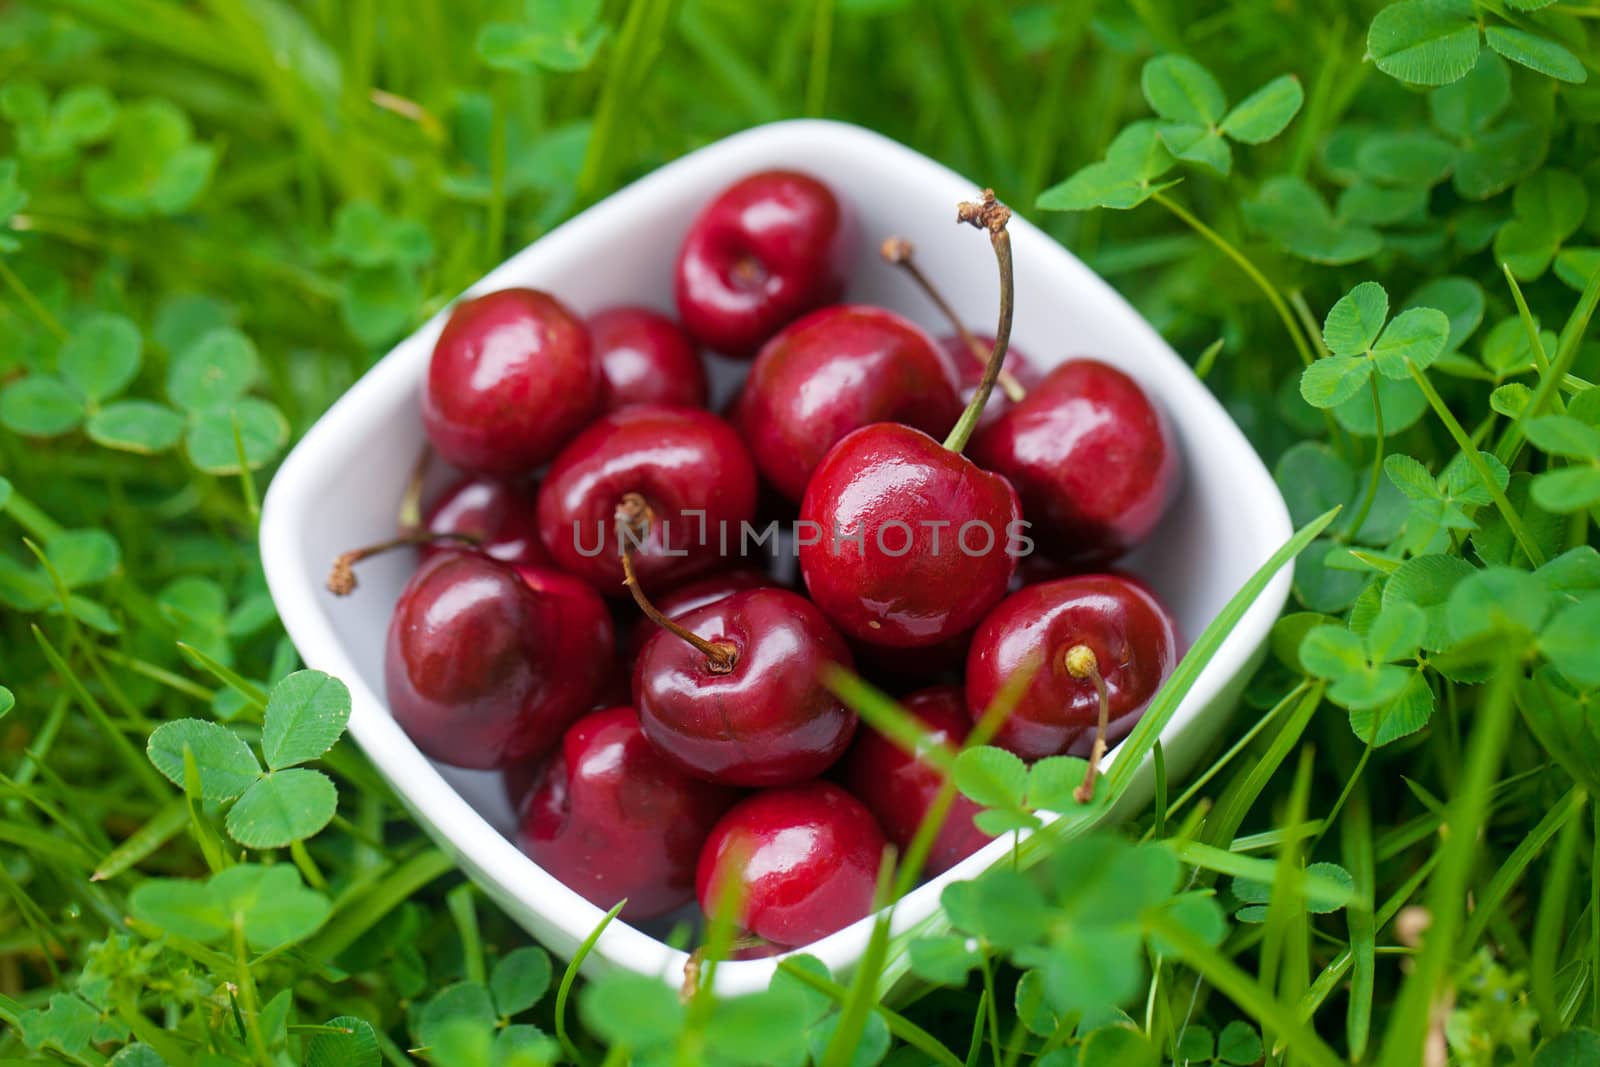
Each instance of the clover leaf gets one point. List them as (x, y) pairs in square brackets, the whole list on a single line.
[(557, 35), (1425, 42), (154, 166), (1359, 344), (1549, 208), (1126, 178), (271, 903), (1294, 215)]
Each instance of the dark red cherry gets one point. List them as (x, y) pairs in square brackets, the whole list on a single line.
[(1130, 633), (690, 469), (612, 819), (834, 371), (697, 594), (899, 788), (1018, 365), (754, 712), (512, 378), (1091, 457), (645, 359), (768, 249), (500, 514), (803, 860), (486, 664)]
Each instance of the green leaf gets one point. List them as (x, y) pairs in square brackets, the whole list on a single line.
[(365, 235), (227, 766), (8, 700), (1239, 1044), (1379, 205), (1052, 782), (944, 960), (760, 1029), (1497, 159), (215, 435), (83, 557), (306, 714), (1569, 642), (1396, 633), (1198, 144), (40, 406), (153, 167), (380, 303), (520, 979), (179, 907), (1355, 321), (1416, 337), (1033, 1009), (520, 46), (1563, 435), (991, 777), (283, 807), (1536, 53), (1334, 379), (1292, 213), (1576, 1047), (1118, 1046), (631, 1009), (464, 1004), (1406, 159), (137, 1055), (356, 1046), (1313, 478), (1196, 1045), (1265, 113), (1181, 90), (1332, 651), (1549, 206), (1125, 179), (1462, 301), (216, 369), (1499, 601), (102, 355), (140, 426), (1568, 490), (1427, 582), (1425, 42), (68, 1024), (1469, 106), (1401, 401), (1401, 716), (870, 1048)]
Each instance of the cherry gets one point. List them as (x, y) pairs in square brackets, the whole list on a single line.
[(803, 862), (1081, 635), (697, 594), (499, 514), (1092, 458), (645, 359), (691, 473), (512, 378), (899, 788), (766, 250), (915, 541), (486, 664), (612, 819), (834, 371)]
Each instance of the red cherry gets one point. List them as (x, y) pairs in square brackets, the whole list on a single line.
[(612, 820), (803, 861), (677, 460), (1091, 457), (768, 249), (1020, 366), (834, 371), (645, 359), (1134, 644), (697, 594), (512, 378), (500, 515), (745, 704), (486, 664), (899, 788)]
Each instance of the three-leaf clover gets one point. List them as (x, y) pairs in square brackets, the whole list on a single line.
[(381, 295), (1549, 207), (80, 116), (1290, 211), (96, 362), (1359, 343), (1198, 123), (1363, 675), (1126, 178), (1575, 486), (558, 35), (270, 902), (1436, 42), (208, 380), (154, 166)]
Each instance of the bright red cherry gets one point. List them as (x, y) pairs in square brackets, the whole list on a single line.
[(612, 819), (899, 788), (768, 249), (1133, 646), (803, 861), (486, 664), (1020, 369), (733, 692), (834, 371), (645, 359), (1092, 458), (501, 515), (697, 594), (512, 378), (691, 472)]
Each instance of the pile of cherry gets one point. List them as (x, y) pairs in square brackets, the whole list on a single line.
[(661, 706)]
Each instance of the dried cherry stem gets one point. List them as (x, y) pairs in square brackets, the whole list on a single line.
[(342, 578), (1082, 664), (411, 499), (633, 522), (988, 214), (694, 966), (899, 252)]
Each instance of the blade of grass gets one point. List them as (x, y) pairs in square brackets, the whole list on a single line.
[(1355, 848), (1550, 928), (1488, 900), (898, 1024), (570, 975), (1549, 386), (157, 830), (354, 917)]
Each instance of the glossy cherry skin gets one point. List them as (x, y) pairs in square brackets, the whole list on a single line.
[(697, 594), (804, 861), (487, 664), (513, 377), (645, 359), (834, 371), (1017, 363), (1092, 458), (679, 460), (612, 820), (899, 788), (1131, 633), (500, 514), (768, 721), (909, 582), (768, 249)]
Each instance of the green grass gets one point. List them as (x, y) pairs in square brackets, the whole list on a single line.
[(214, 215)]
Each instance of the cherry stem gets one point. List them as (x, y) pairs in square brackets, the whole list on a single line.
[(899, 252), (633, 521), (1082, 664), (988, 214), (342, 578), (411, 500)]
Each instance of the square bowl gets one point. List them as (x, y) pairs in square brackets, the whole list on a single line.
[(341, 485)]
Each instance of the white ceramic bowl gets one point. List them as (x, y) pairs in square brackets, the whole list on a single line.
[(341, 485)]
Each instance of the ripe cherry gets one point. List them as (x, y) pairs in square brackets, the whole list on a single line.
[(500, 515), (803, 862), (834, 371), (1092, 458), (768, 249), (645, 359), (697, 594), (914, 542), (899, 788), (688, 467), (1092, 632), (612, 819), (512, 378)]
